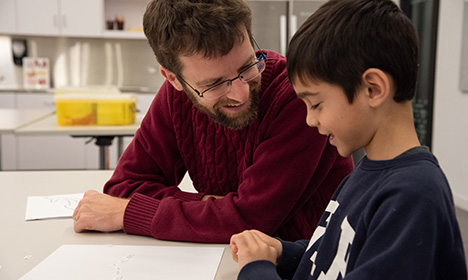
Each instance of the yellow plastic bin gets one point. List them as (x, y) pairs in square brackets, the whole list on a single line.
[(91, 109)]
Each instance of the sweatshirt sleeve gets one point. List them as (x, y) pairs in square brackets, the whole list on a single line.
[(285, 269)]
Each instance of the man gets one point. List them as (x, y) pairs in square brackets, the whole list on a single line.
[(227, 115)]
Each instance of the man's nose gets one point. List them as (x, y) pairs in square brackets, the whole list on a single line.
[(239, 91)]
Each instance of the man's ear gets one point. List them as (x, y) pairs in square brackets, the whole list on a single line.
[(377, 86), (171, 78)]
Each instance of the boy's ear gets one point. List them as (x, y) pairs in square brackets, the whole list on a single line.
[(171, 78), (377, 86)]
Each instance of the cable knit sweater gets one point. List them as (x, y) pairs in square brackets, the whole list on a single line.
[(276, 175)]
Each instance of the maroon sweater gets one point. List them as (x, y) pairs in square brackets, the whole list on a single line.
[(276, 175)]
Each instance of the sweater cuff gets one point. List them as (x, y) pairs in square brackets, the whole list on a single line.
[(139, 214), (188, 196)]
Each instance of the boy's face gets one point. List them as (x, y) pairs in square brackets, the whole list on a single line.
[(329, 110)]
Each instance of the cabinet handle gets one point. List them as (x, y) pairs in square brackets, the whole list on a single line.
[(292, 26), (283, 35)]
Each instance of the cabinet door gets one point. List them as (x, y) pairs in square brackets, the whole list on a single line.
[(7, 100), (7, 17), (82, 18), (38, 17), (7, 141), (45, 152)]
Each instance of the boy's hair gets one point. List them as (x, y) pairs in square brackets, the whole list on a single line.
[(344, 38), (188, 27)]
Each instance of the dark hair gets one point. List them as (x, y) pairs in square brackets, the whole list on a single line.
[(344, 38), (188, 27)]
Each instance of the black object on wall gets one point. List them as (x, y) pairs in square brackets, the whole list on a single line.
[(19, 49), (424, 14)]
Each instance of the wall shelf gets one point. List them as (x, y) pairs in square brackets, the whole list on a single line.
[(122, 34)]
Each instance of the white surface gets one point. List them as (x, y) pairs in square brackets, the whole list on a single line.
[(128, 262), (48, 126), (11, 119), (25, 244), (450, 129), (52, 206)]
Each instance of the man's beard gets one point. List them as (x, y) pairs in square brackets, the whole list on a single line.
[(238, 121)]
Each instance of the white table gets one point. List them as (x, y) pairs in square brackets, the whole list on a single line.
[(103, 134), (24, 244), (13, 119)]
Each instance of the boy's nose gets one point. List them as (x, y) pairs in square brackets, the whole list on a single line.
[(311, 120)]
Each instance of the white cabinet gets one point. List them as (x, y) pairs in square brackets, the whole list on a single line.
[(7, 100), (7, 141), (45, 151), (37, 17), (60, 17), (7, 17), (82, 18)]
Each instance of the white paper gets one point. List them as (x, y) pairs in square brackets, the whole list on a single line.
[(54, 206), (119, 262)]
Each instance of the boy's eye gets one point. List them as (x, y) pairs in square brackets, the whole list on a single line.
[(313, 107)]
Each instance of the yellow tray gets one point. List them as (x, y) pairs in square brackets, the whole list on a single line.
[(86, 109)]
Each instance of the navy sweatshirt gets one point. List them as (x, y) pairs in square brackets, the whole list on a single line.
[(391, 219)]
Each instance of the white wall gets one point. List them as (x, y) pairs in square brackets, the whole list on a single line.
[(450, 130)]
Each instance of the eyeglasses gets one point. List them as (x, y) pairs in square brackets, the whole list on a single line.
[(248, 74)]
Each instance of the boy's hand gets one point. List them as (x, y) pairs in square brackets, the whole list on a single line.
[(253, 245), (100, 212)]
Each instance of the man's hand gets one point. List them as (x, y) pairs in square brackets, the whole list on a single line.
[(100, 212), (253, 245), (208, 196)]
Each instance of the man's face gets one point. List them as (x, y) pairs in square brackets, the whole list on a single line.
[(236, 109)]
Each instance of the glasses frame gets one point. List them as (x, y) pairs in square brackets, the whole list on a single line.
[(261, 56)]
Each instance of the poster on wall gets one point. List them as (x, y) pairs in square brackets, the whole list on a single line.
[(36, 73)]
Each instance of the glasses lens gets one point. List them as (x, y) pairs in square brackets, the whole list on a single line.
[(245, 76), (252, 72), (217, 91)]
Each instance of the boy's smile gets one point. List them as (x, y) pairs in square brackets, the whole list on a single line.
[(329, 110)]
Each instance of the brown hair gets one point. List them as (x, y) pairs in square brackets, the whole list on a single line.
[(188, 27), (344, 38)]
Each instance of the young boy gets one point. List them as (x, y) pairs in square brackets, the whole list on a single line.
[(354, 64)]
